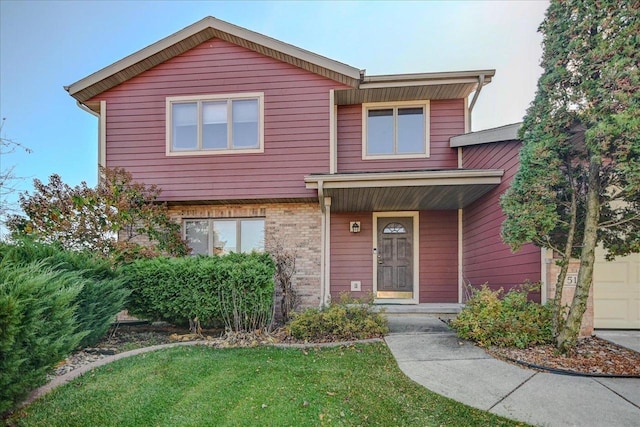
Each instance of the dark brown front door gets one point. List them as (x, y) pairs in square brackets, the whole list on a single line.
[(395, 257)]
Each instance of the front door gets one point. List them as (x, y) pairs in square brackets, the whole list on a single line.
[(395, 258)]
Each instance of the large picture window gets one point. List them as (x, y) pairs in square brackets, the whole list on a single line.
[(215, 124), (395, 130), (222, 236)]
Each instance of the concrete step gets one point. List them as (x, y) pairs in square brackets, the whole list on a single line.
[(420, 309), (413, 324)]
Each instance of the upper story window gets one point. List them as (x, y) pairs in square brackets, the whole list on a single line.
[(215, 124), (395, 130)]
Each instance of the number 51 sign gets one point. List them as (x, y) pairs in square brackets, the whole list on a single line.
[(571, 279)]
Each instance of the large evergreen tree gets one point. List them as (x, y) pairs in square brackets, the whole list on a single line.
[(579, 180)]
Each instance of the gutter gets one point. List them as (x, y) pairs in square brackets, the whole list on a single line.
[(85, 108)]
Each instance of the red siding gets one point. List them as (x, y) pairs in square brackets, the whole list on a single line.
[(352, 259), (296, 126), (485, 257), (446, 120), (438, 256), (351, 253)]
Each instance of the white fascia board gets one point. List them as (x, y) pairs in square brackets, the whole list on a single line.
[(225, 27), (407, 179), (425, 79), (502, 133)]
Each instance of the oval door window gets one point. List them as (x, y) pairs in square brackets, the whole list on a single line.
[(394, 228)]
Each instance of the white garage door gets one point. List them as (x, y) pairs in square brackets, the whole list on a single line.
[(616, 292)]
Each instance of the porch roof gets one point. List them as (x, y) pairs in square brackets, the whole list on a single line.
[(411, 190)]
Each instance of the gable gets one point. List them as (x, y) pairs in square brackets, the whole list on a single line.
[(194, 35), (218, 66)]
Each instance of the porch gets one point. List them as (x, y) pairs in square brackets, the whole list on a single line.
[(397, 234)]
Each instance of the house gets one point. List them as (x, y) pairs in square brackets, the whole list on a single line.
[(374, 181)]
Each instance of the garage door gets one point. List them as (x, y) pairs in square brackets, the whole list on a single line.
[(616, 292)]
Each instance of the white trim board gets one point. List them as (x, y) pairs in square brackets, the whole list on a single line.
[(416, 255)]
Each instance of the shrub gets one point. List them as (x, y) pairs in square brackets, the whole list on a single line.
[(511, 321), (347, 319), (235, 289), (37, 325), (102, 296)]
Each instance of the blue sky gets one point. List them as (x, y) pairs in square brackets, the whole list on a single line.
[(45, 45)]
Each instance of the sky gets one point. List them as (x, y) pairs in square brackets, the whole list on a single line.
[(45, 45)]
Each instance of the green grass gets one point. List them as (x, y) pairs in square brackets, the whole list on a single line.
[(200, 386)]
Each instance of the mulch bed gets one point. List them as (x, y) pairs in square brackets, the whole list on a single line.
[(591, 356)]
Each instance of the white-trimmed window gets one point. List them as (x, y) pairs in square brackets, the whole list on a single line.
[(209, 236), (395, 130), (215, 124)]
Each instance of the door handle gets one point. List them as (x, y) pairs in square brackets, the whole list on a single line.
[(380, 260)]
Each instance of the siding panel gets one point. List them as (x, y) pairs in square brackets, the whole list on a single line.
[(438, 256), (296, 126), (446, 120), (352, 259), (486, 259)]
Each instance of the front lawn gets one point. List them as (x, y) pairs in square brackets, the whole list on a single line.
[(356, 385)]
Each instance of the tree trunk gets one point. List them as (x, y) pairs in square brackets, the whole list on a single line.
[(569, 333), (558, 314)]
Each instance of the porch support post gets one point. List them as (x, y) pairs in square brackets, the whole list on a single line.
[(326, 249), (460, 258)]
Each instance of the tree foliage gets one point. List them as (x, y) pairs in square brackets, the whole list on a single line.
[(8, 178), (112, 219), (579, 179)]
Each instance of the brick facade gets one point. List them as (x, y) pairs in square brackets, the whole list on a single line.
[(297, 226), (568, 290)]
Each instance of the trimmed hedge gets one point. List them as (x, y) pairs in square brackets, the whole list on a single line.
[(103, 293), (37, 325), (510, 321), (235, 290)]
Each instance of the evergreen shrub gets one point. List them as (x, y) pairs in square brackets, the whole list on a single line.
[(511, 320), (103, 294), (235, 290), (37, 325)]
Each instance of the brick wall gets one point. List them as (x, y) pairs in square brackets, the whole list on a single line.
[(295, 225), (568, 290)]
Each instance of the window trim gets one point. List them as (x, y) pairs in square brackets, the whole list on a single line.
[(425, 104), (211, 237), (170, 100)]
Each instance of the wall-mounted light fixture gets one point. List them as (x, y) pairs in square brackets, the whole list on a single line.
[(354, 226)]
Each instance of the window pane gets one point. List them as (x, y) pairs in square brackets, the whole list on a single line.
[(252, 235), (214, 125), (394, 228), (410, 130), (224, 237), (185, 126), (197, 236), (245, 123), (380, 132)]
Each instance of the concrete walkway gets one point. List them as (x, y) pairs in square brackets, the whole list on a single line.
[(429, 353)]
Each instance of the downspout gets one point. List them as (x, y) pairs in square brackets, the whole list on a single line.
[(475, 97), (323, 226), (327, 248)]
